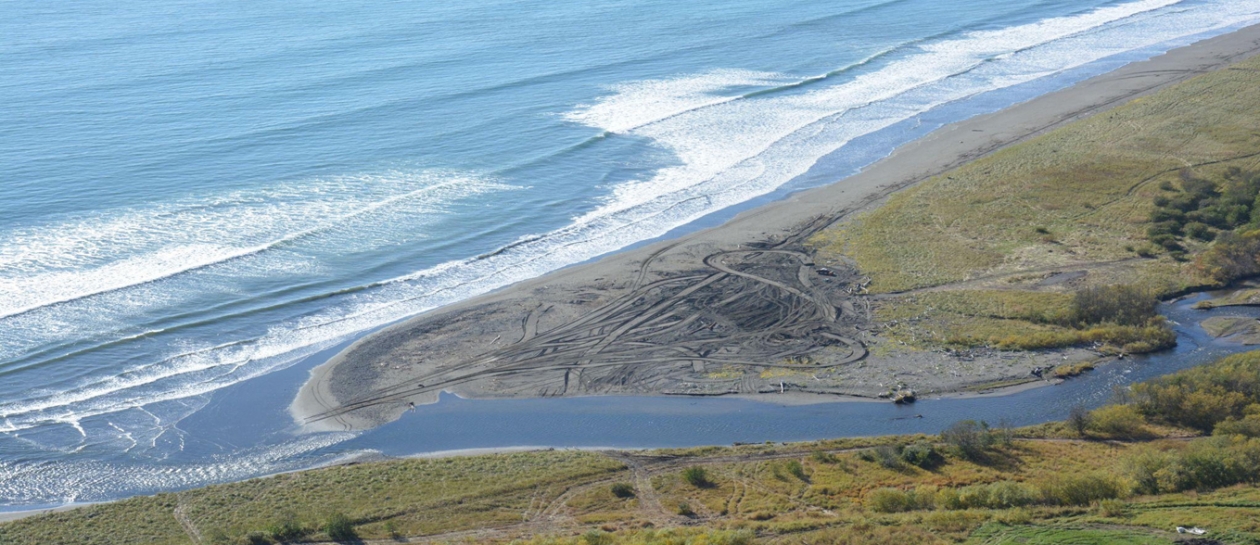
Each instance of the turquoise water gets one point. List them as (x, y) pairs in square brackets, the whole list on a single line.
[(196, 196)]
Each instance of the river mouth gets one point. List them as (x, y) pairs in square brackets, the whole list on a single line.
[(245, 431), (180, 435)]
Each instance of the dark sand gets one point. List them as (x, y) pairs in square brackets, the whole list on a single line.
[(740, 309)]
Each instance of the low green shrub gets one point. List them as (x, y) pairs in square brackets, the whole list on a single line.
[(1080, 489), (339, 527), (685, 510), (623, 490), (969, 439), (1118, 421), (697, 476), (797, 470), (890, 500), (921, 454)]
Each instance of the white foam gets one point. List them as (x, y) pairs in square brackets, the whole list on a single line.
[(635, 104), (50, 264), (85, 480)]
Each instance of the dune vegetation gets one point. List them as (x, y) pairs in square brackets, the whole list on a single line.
[(1158, 195), (1182, 450)]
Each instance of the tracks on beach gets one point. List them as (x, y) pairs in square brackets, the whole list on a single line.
[(745, 311)]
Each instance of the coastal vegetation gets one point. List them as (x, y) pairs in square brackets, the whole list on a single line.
[(1182, 450), (1152, 198)]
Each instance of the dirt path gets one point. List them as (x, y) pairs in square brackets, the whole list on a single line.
[(189, 528)]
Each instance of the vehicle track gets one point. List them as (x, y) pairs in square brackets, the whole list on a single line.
[(761, 307)]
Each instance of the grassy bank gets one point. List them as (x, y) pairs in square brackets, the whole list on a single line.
[(1156, 194), (1177, 451)]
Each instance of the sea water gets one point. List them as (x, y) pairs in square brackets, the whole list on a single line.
[(197, 197)]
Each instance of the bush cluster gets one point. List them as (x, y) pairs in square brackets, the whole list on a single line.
[(920, 454), (623, 490), (1070, 490), (1232, 256), (1119, 318), (1203, 397), (1118, 422), (1203, 208), (697, 476), (970, 440), (1207, 463), (1222, 398), (1120, 305)]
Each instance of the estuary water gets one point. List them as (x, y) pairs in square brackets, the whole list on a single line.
[(200, 199)]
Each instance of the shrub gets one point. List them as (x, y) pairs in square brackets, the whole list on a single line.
[(921, 454), (823, 457), (1079, 419), (1144, 468), (948, 498), (1199, 231), (1247, 426), (1008, 494), (924, 497), (339, 527), (1205, 464), (1015, 517), (696, 476), (1202, 397), (888, 456), (1112, 508), (1079, 489), (969, 438), (684, 509), (1231, 257), (889, 500), (974, 496), (1167, 215), (1165, 229), (1120, 421), (596, 537), (623, 490), (1120, 305), (999, 495), (286, 529), (797, 470)]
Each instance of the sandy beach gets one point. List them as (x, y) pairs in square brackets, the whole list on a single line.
[(740, 309)]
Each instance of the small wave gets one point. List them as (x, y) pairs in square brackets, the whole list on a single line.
[(64, 482), (74, 260)]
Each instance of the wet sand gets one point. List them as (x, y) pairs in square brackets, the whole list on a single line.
[(683, 316)]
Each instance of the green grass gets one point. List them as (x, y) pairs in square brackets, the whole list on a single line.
[(1088, 185), (413, 496), (1078, 196), (1007, 320), (1002, 534)]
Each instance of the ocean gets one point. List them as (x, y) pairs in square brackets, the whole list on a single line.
[(196, 197)]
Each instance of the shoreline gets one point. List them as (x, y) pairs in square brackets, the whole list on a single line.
[(938, 152)]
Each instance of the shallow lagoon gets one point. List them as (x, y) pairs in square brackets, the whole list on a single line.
[(245, 431)]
